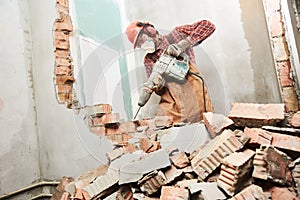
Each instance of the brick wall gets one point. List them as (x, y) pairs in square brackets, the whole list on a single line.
[(63, 72), (281, 54)]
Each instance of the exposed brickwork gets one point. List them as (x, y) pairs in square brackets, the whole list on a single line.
[(63, 70), (281, 54)]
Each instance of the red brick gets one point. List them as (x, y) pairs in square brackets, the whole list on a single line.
[(295, 121), (62, 70), (276, 24), (64, 24), (63, 2), (212, 154), (273, 165), (62, 44), (163, 121), (279, 193), (155, 146), (130, 148), (145, 144), (63, 79), (280, 49), (171, 193), (216, 123), (108, 118), (152, 182), (63, 62), (290, 99), (256, 115), (99, 131), (61, 35), (284, 74), (97, 110), (60, 189), (173, 173), (62, 53), (258, 136), (252, 192), (65, 88), (180, 160), (235, 171)]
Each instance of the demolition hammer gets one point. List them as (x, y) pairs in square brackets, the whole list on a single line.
[(173, 68)]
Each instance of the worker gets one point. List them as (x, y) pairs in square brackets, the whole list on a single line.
[(183, 101)]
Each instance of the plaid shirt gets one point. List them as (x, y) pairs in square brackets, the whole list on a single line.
[(197, 32)]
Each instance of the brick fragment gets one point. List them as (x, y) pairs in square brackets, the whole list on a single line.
[(171, 193), (63, 79), (86, 178), (62, 53), (151, 183), (173, 174), (118, 139), (252, 192), (108, 118), (295, 166), (216, 123), (295, 121), (64, 23), (235, 171), (256, 115), (62, 45), (98, 109), (212, 154), (60, 188), (258, 136), (62, 70), (163, 121), (278, 140), (284, 69), (150, 123), (180, 160), (280, 49), (145, 143), (280, 193), (272, 164), (103, 185), (290, 99)]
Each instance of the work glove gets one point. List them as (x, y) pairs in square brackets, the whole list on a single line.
[(177, 49)]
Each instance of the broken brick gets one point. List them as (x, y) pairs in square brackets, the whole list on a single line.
[(62, 53), (62, 70), (63, 61), (97, 110), (235, 171), (258, 136), (62, 45), (60, 188), (90, 175), (256, 115), (63, 79), (145, 143), (272, 164), (61, 35), (103, 185), (152, 182), (108, 118), (295, 121), (278, 140), (173, 174), (170, 193), (290, 99), (180, 160), (280, 193), (252, 192), (163, 121), (212, 154), (216, 123)]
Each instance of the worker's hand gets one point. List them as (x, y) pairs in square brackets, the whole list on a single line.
[(177, 49)]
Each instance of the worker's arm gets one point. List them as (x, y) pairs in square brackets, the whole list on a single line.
[(195, 34)]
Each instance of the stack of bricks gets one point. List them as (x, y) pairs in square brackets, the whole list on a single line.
[(239, 162), (281, 53), (63, 71)]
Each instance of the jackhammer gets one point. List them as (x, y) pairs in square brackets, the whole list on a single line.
[(170, 67)]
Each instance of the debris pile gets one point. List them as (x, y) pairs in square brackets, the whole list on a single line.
[(253, 153)]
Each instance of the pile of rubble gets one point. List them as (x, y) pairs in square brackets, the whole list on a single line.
[(253, 153)]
